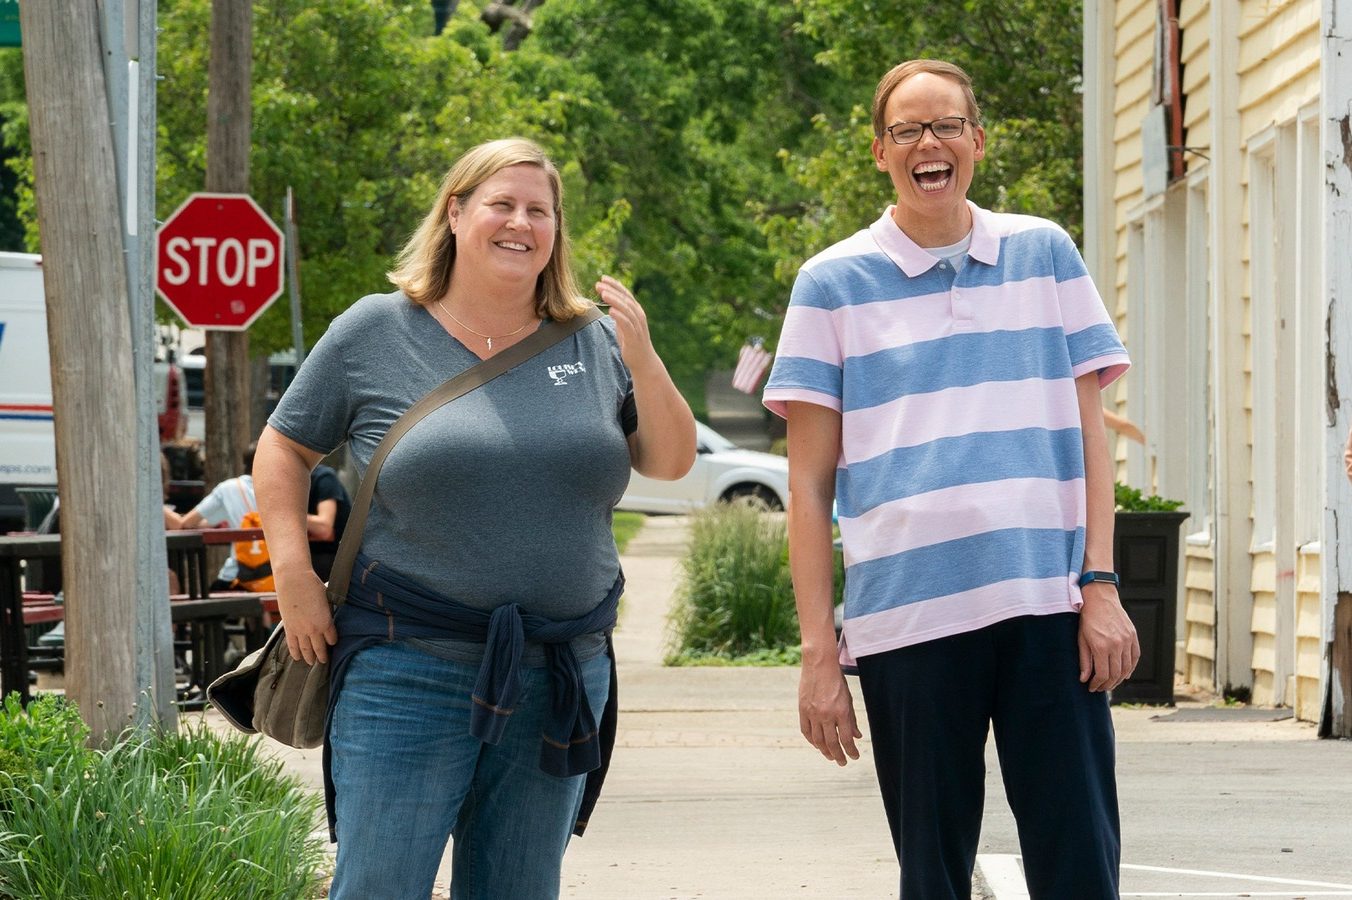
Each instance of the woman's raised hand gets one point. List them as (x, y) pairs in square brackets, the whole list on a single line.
[(631, 324)]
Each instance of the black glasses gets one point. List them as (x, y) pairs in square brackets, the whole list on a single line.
[(946, 129)]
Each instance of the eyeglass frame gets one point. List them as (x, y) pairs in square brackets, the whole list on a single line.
[(930, 125)]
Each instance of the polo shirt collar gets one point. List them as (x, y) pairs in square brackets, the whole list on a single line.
[(914, 260)]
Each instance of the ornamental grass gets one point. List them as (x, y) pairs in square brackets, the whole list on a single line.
[(735, 602), (157, 815)]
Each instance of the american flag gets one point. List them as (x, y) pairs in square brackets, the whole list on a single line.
[(752, 362)]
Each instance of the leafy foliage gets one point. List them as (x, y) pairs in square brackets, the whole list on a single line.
[(50, 729), (157, 815), (1024, 57), (1130, 499), (736, 595), (708, 146)]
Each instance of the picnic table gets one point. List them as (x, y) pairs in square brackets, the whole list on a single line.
[(205, 617)]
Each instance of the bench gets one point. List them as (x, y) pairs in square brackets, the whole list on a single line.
[(204, 622), (39, 612), (204, 626), (207, 624)]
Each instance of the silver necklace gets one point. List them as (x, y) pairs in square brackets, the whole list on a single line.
[(490, 338)]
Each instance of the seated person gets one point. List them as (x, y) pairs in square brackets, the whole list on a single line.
[(326, 517), (226, 505)]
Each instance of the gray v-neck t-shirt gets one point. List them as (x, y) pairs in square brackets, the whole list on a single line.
[(503, 495)]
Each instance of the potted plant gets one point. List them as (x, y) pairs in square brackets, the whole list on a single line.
[(1147, 545)]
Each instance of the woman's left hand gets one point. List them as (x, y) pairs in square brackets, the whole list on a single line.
[(663, 447), (631, 324)]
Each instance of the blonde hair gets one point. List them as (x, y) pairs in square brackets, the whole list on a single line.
[(911, 68), (423, 268)]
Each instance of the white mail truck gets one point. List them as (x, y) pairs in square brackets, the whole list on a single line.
[(27, 434)]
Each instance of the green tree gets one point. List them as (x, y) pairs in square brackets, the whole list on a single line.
[(359, 109), (707, 146), (689, 103), (1025, 59), (18, 213)]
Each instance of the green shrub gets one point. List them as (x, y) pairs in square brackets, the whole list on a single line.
[(50, 731), (736, 597), (159, 816), (781, 656), (1130, 499), (50, 726)]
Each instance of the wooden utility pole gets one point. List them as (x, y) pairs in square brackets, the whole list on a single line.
[(89, 332), (229, 121)]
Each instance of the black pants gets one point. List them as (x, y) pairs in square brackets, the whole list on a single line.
[(929, 708)]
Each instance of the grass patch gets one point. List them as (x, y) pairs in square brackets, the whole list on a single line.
[(157, 815), (783, 656), (736, 597), (625, 525)]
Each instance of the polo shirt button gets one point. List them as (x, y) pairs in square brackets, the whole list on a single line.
[(943, 265)]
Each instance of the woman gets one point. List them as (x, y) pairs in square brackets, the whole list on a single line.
[(501, 497)]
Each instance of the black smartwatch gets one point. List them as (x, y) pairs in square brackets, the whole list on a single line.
[(1110, 577)]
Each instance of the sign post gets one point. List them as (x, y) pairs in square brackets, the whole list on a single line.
[(10, 35), (218, 261)]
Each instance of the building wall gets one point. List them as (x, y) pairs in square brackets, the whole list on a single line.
[(1198, 664), (1197, 631), (1278, 74), (1134, 24), (1309, 640), (1135, 49), (1278, 78)]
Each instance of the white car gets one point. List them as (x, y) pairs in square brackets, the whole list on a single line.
[(722, 471)]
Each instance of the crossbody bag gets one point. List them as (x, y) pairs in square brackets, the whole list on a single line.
[(287, 699)]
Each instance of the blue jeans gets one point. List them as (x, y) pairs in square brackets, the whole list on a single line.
[(408, 775)]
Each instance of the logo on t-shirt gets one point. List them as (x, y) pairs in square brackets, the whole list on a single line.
[(561, 373)]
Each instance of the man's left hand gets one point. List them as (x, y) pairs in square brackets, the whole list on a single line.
[(1109, 649)]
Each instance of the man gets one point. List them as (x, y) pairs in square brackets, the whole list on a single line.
[(940, 373), (227, 505), (325, 518)]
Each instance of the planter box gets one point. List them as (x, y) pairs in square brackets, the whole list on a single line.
[(1146, 549)]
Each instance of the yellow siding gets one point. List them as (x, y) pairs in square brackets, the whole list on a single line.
[(1192, 17), (1264, 627), (1133, 53), (1278, 74), (1195, 54), (1267, 27), (1199, 612), (1309, 643), (1279, 50), (1199, 562), (1264, 106)]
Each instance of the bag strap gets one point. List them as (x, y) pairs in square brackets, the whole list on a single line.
[(243, 495), (475, 376)]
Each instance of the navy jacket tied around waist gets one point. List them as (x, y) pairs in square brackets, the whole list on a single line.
[(382, 606)]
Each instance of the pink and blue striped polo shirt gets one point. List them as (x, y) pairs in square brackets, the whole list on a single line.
[(960, 486)]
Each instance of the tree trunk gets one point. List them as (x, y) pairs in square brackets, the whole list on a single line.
[(90, 340), (229, 113)]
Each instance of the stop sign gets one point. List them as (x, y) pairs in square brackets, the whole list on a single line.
[(218, 261)]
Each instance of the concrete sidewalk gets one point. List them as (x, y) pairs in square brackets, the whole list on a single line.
[(714, 794)]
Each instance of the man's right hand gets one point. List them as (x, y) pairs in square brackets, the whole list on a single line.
[(826, 711), (306, 615)]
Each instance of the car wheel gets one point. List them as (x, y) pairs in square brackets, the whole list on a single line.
[(757, 496)]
